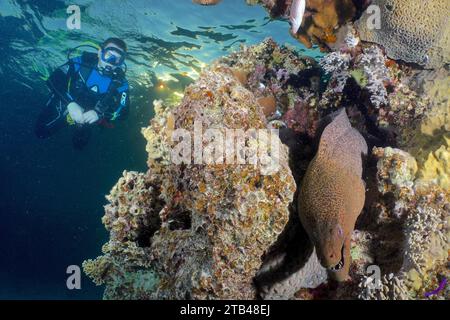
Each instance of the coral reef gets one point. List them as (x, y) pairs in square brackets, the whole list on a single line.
[(410, 31), (428, 141), (424, 214), (332, 194), (229, 208), (196, 227), (132, 207), (202, 230), (131, 217), (368, 69)]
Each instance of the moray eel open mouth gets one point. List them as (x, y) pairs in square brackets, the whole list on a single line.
[(340, 265)]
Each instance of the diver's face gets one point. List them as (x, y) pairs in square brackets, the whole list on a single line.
[(107, 56)]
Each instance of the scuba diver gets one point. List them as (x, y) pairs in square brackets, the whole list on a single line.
[(86, 90)]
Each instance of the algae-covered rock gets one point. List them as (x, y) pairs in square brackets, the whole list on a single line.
[(206, 247), (198, 223)]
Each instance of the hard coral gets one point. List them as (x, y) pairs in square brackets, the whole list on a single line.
[(410, 31), (230, 208), (132, 207), (425, 247), (212, 221), (426, 138), (131, 217)]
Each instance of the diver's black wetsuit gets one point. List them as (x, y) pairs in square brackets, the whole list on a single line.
[(79, 81)]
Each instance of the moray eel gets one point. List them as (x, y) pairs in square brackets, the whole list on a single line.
[(332, 194)]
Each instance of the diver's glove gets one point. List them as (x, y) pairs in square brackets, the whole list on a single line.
[(76, 112), (90, 117)]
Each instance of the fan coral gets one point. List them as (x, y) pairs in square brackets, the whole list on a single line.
[(328, 206), (410, 31)]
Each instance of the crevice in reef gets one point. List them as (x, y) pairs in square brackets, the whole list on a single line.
[(179, 219)]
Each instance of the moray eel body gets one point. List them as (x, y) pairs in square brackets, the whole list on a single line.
[(332, 194)]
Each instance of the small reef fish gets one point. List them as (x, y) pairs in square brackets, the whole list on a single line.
[(296, 15), (207, 2), (332, 194)]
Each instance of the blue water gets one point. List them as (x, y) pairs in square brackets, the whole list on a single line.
[(51, 195)]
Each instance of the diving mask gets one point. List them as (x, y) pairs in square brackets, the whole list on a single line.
[(113, 56)]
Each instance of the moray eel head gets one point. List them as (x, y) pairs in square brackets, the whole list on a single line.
[(331, 252)]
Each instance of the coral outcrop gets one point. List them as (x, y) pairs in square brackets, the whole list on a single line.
[(225, 208), (424, 214), (131, 217), (200, 228), (410, 31)]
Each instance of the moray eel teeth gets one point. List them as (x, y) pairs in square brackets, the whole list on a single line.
[(340, 265)]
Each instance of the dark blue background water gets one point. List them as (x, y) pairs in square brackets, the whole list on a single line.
[(52, 196)]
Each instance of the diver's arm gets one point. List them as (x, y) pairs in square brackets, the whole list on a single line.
[(59, 80), (123, 110), (120, 103)]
